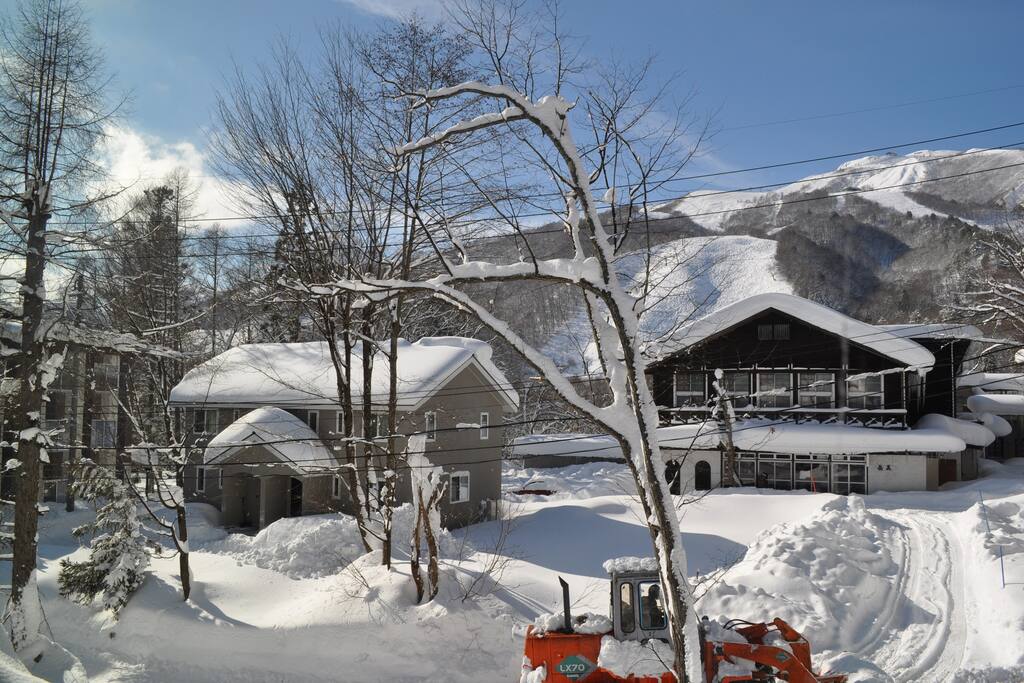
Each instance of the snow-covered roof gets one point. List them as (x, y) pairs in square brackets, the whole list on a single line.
[(934, 331), (280, 432), (767, 436), (302, 374), (629, 563), (905, 351), (997, 404), (973, 433), (993, 381)]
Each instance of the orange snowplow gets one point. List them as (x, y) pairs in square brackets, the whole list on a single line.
[(734, 652)]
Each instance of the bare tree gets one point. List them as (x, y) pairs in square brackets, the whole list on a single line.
[(51, 114), (514, 47), (997, 295)]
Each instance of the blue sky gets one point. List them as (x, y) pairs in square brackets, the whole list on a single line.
[(752, 63)]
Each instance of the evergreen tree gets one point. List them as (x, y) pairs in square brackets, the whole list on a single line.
[(117, 559)]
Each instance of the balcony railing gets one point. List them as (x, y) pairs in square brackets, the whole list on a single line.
[(885, 418)]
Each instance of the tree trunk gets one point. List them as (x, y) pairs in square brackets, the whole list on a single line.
[(414, 553), (183, 551), (30, 407)]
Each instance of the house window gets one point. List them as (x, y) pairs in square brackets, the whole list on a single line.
[(690, 390), (220, 478), (430, 425), (811, 476), (737, 385), (201, 479), (773, 332), (864, 393), (774, 390), (104, 433), (774, 474), (204, 421), (378, 425), (849, 477), (313, 420), (339, 423), (485, 426), (56, 405), (458, 487), (746, 470), (336, 486), (817, 390)]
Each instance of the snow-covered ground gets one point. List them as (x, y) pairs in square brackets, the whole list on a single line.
[(889, 587)]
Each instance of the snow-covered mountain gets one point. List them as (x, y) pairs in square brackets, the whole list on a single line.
[(976, 185), (883, 250)]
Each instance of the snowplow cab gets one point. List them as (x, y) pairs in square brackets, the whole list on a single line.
[(637, 601)]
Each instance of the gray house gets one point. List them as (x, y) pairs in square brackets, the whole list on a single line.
[(267, 425)]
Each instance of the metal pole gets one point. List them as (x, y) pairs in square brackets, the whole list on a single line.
[(999, 548)]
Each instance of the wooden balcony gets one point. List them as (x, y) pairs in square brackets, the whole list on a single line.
[(883, 418)]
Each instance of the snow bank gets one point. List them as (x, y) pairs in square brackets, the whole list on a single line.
[(576, 482), (830, 576), (315, 545), (624, 657)]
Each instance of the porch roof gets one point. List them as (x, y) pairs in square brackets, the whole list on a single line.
[(283, 435)]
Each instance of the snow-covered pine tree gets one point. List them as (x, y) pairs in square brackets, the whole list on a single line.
[(117, 559)]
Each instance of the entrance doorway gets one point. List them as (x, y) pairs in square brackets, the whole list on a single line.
[(702, 475), (672, 476), (295, 498), (947, 471)]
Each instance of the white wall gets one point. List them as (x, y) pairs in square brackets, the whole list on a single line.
[(688, 461), (905, 473)]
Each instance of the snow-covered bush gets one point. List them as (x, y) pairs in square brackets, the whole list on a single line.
[(117, 559)]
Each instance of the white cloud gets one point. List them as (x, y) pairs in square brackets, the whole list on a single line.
[(396, 9), (134, 160)]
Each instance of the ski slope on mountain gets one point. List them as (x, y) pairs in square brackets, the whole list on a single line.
[(972, 178), (681, 280)]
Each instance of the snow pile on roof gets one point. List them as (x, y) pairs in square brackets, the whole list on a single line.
[(993, 381), (829, 576), (278, 431), (880, 341), (620, 565), (588, 622), (934, 331), (303, 374), (625, 657), (972, 433), (997, 404), (767, 436)]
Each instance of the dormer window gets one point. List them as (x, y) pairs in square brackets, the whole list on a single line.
[(773, 332)]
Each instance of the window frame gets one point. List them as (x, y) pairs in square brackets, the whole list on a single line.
[(804, 390), (677, 393), (644, 626), (485, 426), (627, 607), (95, 432), (200, 479), (313, 416), (769, 400), (220, 478), (430, 425), (464, 495), (336, 486), (733, 393), (867, 393)]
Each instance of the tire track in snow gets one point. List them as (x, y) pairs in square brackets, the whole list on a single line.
[(927, 633)]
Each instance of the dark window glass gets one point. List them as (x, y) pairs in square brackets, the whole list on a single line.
[(627, 612), (652, 611)]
